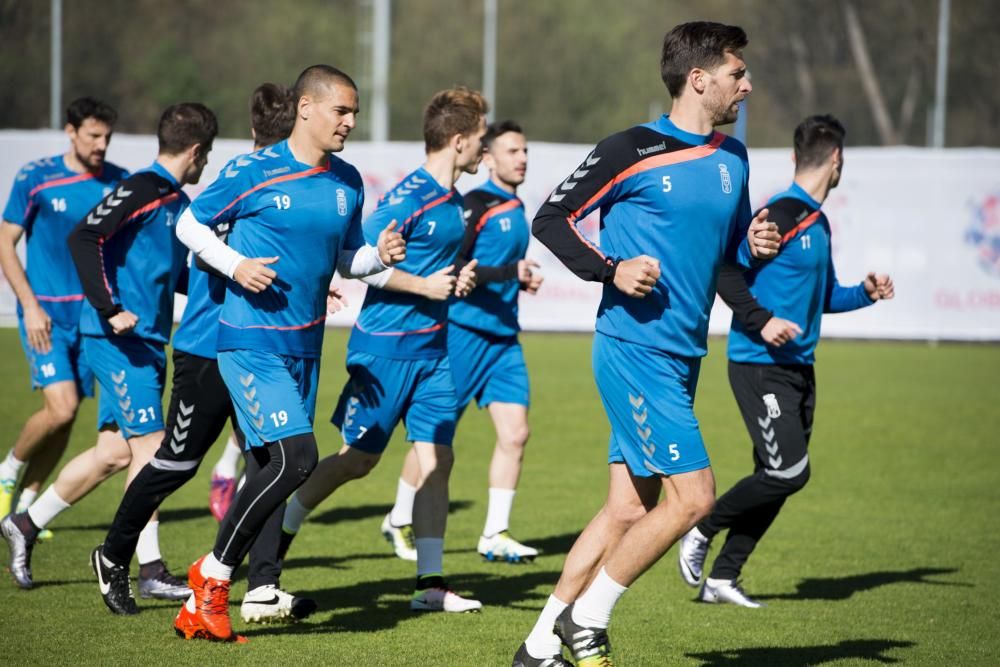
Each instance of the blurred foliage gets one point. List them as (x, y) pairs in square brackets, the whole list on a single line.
[(569, 70)]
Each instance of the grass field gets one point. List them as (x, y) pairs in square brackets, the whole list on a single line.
[(889, 555)]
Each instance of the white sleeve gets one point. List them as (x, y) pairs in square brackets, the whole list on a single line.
[(360, 263), (206, 245), (378, 279)]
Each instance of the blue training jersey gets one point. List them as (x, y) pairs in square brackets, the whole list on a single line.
[(141, 259), (47, 200), (681, 198), (497, 235), (198, 332), (430, 218), (799, 285), (306, 216)]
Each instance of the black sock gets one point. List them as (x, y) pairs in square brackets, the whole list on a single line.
[(151, 570), (430, 581), (27, 527)]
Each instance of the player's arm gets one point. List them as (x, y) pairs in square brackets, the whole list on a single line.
[(747, 310), (476, 215), (438, 286), (840, 299), (582, 192)]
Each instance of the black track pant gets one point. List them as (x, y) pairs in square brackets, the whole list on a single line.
[(199, 409), (777, 403)]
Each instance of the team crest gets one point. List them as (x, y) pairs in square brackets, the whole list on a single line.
[(727, 182), (341, 201), (771, 401)]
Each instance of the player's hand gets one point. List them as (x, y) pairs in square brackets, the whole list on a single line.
[(779, 331), (391, 245), (763, 237), (335, 300), (123, 322), (254, 275), (439, 285), (530, 281), (635, 277), (38, 326), (879, 286), (466, 281)]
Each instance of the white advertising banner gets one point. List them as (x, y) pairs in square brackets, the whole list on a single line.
[(930, 218)]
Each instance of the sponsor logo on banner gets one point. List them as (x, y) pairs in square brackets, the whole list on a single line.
[(984, 233)]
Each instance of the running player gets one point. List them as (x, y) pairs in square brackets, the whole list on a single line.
[(777, 312), (397, 354), (673, 191), (129, 265), (486, 358), (47, 200), (199, 409), (295, 207)]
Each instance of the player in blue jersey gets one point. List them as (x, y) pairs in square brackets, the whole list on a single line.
[(47, 200), (199, 409), (674, 205), (129, 265), (397, 354), (486, 359), (777, 311), (294, 210)]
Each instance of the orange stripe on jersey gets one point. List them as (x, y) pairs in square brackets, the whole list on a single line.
[(497, 210), (277, 179), (675, 157), (436, 327), (805, 224), (429, 206), (153, 205), (68, 180), (292, 327)]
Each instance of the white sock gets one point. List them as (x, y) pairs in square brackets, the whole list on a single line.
[(542, 642), (295, 514), (148, 548), (10, 467), (231, 455), (593, 608), (430, 555), (190, 604), (48, 506), (498, 513), (25, 499), (402, 511), (213, 568)]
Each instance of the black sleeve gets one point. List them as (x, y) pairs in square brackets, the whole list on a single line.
[(182, 280), (734, 291), (477, 205), (85, 242), (788, 213)]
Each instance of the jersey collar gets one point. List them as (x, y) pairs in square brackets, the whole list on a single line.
[(664, 125), (162, 171), (799, 193)]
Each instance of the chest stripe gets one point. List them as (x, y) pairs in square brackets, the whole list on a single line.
[(805, 224), (497, 210), (68, 180), (440, 200), (277, 179)]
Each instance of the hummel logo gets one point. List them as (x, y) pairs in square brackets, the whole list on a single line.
[(246, 380), (662, 146), (118, 377), (268, 173)]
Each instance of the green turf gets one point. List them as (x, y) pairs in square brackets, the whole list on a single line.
[(889, 555)]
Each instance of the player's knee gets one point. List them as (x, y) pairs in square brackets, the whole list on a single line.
[(515, 439), (62, 412), (112, 459), (302, 456), (797, 483), (625, 514), (438, 469)]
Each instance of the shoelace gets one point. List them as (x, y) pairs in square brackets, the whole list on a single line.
[(119, 579), (217, 600), (406, 532)]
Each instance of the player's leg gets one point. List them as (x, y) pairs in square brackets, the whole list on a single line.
[(510, 420), (777, 404), (397, 526)]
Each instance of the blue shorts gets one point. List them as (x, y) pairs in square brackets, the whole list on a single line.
[(648, 395), (131, 372), (65, 362), (487, 368), (381, 392), (274, 395)]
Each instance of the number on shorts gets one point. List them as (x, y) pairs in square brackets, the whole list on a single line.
[(279, 418), (48, 370), (146, 415), (674, 454)]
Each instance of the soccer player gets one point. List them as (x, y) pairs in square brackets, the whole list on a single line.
[(486, 359), (199, 409), (672, 194), (397, 354), (777, 311), (295, 212), (48, 198), (129, 265)]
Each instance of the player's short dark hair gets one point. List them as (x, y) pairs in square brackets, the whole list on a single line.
[(454, 111), (184, 125), (815, 139), (83, 108), (700, 44), (315, 76), (494, 130), (272, 113)]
